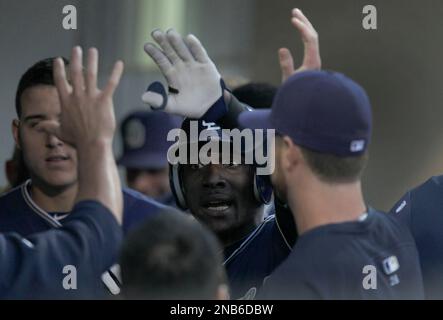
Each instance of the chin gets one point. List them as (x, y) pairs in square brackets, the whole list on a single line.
[(218, 227), (60, 182)]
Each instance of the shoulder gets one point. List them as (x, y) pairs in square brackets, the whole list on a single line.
[(264, 243), (430, 189), (135, 198), (13, 209), (259, 235), (424, 199), (137, 208), (12, 196)]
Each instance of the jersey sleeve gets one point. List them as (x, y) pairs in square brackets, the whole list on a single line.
[(402, 209), (88, 241)]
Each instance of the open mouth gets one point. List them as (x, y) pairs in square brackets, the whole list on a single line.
[(217, 206)]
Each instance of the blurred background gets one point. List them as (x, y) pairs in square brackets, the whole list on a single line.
[(399, 64)]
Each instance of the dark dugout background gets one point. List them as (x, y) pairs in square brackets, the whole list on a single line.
[(399, 64)]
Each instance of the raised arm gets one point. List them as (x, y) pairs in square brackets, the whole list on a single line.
[(311, 58), (89, 241)]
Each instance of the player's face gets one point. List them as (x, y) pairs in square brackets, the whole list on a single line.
[(221, 196), (49, 160), (153, 183), (277, 177)]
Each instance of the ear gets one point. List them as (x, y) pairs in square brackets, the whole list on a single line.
[(16, 132), (290, 154)]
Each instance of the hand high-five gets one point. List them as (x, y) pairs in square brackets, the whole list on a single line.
[(87, 121), (193, 80), (311, 59), (87, 112)]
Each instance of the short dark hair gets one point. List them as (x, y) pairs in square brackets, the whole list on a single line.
[(258, 95), (41, 73), (335, 169), (171, 256)]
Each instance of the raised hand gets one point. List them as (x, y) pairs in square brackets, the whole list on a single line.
[(87, 112), (193, 80), (311, 59), (87, 121)]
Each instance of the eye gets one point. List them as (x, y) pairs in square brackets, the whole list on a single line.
[(231, 165)]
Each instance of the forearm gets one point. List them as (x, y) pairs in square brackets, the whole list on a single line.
[(33, 268), (234, 108), (98, 176)]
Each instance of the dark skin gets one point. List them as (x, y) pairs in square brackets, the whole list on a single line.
[(222, 197)]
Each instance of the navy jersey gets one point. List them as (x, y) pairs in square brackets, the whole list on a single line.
[(421, 209), (374, 258), (33, 267), (252, 259), (20, 214)]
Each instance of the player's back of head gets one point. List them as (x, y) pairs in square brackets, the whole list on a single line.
[(172, 256)]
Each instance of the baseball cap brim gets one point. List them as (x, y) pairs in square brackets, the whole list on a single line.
[(255, 119)]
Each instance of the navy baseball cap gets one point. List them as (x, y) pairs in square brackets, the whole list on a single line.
[(198, 133), (323, 111), (144, 135)]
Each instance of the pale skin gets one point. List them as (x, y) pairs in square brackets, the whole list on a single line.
[(309, 36), (54, 184), (86, 123), (314, 202)]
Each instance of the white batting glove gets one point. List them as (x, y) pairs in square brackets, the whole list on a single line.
[(195, 85)]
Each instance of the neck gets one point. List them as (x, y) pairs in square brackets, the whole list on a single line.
[(53, 199), (231, 236), (315, 203)]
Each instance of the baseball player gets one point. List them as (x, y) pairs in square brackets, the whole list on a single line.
[(324, 120), (172, 256), (32, 267), (252, 248), (345, 249), (45, 200), (229, 199), (145, 146), (420, 209)]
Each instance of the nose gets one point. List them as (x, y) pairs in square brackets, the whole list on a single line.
[(213, 178), (52, 141)]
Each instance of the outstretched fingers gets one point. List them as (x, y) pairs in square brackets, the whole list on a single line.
[(179, 45), (92, 69), (60, 79), (286, 63), (198, 51), (76, 69), (114, 79)]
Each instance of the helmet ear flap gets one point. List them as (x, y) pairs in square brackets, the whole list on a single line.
[(262, 188), (175, 182)]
